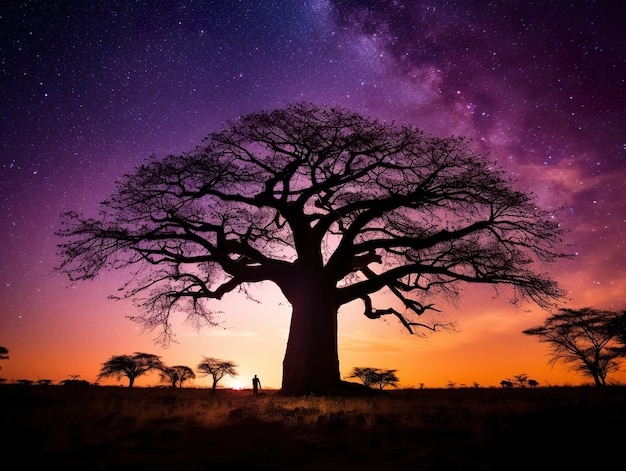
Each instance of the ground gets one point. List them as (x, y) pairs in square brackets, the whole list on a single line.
[(98, 428)]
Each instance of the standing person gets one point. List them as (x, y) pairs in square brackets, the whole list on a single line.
[(256, 385)]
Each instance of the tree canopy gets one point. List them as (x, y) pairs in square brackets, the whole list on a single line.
[(586, 339), (375, 377), (217, 369), (333, 208), (176, 375), (131, 366), (4, 354)]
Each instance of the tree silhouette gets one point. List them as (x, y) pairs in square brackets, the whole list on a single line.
[(330, 206), (4, 354), (585, 339), (74, 382), (521, 379), (375, 377), (177, 375), (617, 326), (131, 366), (217, 369)]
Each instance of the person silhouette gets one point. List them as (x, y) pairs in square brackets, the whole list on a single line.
[(256, 385)]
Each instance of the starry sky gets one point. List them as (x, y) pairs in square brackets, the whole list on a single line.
[(89, 89)]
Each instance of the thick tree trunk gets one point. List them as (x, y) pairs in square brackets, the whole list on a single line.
[(311, 363)]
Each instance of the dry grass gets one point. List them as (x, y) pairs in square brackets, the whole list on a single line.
[(153, 428)]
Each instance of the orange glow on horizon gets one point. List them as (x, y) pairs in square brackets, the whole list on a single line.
[(77, 333)]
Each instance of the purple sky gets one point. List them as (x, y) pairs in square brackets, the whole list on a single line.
[(91, 88)]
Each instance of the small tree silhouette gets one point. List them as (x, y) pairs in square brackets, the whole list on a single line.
[(217, 369), (74, 382), (521, 379), (131, 366), (4, 354), (177, 375), (375, 377)]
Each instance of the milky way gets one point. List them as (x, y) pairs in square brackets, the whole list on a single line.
[(91, 89)]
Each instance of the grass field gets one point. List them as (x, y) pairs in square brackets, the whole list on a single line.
[(95, 428)]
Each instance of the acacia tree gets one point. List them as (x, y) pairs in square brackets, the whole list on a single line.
[(131, 366), (4, 354), (617, 326), (584, 338), (330, 206), (176, 375), (217, 369), (371, 377), (521, 379)]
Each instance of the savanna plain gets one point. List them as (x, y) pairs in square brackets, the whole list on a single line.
[(101, 428)]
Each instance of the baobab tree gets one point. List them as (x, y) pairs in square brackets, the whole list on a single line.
[(333, 208)]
